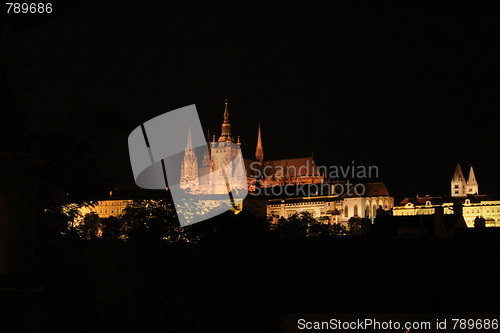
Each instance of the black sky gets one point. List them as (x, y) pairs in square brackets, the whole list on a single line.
[(410, 87)]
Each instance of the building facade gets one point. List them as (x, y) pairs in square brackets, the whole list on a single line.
[(106, 208), (335, 209), (465, 193)]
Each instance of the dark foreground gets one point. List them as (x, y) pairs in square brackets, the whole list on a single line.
[(247, 282)]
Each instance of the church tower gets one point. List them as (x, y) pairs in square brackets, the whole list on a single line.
[(223, 154), (472, 187), (259, 152), (189, 167), (226, 128), (458, 184)]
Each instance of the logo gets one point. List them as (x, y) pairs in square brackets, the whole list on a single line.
[(170, 152)]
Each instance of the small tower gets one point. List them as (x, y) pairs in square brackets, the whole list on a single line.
[(259, 152), (458, 184), (472, 187)]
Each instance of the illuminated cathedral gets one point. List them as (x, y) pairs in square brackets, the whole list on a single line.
[(218, 172), (219, 166)]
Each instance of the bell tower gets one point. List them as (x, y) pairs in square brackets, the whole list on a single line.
[(472, 187), (458, 184)]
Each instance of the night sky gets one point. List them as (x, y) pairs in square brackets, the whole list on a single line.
[(410, 87)]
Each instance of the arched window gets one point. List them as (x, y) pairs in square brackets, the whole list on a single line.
[(355, 210), (346, 211), (367, 211), (374, 210)]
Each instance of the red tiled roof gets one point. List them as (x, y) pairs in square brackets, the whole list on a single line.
[(371, 190)]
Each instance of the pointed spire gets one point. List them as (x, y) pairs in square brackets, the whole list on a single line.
[(226, 113), (226, 127), (458, 175), (189, 143), (472, 177), (472, 186), (259, 152)]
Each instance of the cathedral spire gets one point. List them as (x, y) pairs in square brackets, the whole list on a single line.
[(189, 145), (458, 175), (259, 152), (472, 176), (472, 186), (226, 127)]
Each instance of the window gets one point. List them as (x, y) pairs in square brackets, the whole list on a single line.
[(346, 211), (355, 210), (456, 186)]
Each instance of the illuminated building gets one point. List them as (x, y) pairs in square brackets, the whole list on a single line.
[(375, 197), (333, 208), (472, 207), (464, 192), (106, 208), (422, 206)]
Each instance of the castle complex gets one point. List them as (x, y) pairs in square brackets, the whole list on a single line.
[(217, 169)]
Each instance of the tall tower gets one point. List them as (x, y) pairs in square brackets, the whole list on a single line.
[(472, 187), (223, 154), (226, 128), (189, 167), (259, 152), (458, 184)]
